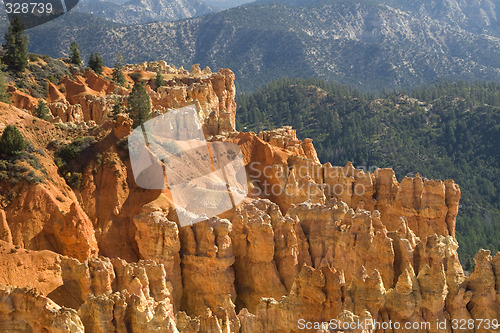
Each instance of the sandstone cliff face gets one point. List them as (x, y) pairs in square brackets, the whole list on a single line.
[(158, 239), (208, 275), (53, 225), (310, 244), (90, 98), (24, 310), (212, 93)]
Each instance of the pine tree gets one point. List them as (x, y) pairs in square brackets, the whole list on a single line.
[(118, 75), (98, 64), (91, 62), (42, 110), (4, 95), (117, 107), (95, 63), (12, 141), (139, 105), (74, 57), (159, 79), (16, 47)]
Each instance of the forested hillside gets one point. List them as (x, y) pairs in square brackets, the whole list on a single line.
[(448, 130)]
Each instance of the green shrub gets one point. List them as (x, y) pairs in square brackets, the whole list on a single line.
[(52, 71), (54, 144), (139, 104), (15, 48), (71, 151), (135, 76), (4, 95), (12, 141), (4, 176), (74, 56), (42, 110), (98, 159), (118, 75), (66, 156), (32, 178), (33, 57), (159, 81), (14, 170), (95, 63), (74, 179)]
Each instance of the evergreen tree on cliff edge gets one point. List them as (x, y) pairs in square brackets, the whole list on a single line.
[(75, 57), (95, 63), (118, 75), (139, 104), (15, 47)]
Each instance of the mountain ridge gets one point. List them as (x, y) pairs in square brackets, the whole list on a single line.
[(353, 43), (145, 11)]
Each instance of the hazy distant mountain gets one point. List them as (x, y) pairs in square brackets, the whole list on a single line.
[(144, 11), (225, 3), (365, 44), (480, 16)]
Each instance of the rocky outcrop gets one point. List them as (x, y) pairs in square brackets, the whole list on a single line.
[(90, 97), (122, 126), (282, 174), (22, 100), (482, 284), (212, 93), (287, 171), (254, 249), (25, 310), (141, 300), (54, 225), (30, 269), (108, 294), (207, 273), (286, 138), (158, 239), (403, 302), (5, 233), (66, 112)]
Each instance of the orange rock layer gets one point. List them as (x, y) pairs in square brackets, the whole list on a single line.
[(90, 98)]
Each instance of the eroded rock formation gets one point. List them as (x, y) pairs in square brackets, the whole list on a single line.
[(88, 97), (312, 244)]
